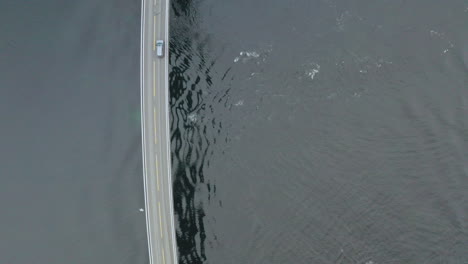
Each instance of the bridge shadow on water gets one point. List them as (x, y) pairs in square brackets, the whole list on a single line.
[(191, 136)]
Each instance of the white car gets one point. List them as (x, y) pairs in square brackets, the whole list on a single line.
[(160, 48)]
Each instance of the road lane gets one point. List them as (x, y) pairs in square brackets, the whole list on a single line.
[(155, 134)]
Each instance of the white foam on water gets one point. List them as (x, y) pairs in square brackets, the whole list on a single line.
[(249, 54), (239, 103), (314, 71), (192, 117)]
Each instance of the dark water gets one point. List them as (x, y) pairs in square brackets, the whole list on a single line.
[(320, 131), (302, 131)]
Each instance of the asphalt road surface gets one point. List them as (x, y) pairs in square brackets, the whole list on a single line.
[(155, 133)]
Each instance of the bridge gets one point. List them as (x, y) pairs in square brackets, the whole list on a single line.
[(154, 87)]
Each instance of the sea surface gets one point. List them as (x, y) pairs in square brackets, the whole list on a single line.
[(302, 131), (71, 182)]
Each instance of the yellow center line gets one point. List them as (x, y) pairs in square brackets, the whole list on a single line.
[(164, 260), (154, 124), (154, 35), (160, 219), (157, 173), (154, 78)]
